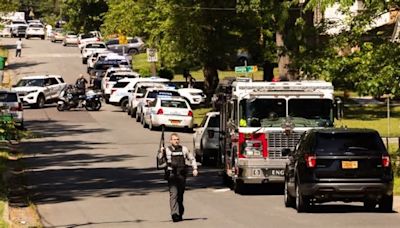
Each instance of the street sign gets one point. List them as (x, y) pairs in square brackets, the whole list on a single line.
[(246, 69), (122, 39), (151, 55)]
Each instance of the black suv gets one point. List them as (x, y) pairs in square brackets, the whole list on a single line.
[(339, 164)]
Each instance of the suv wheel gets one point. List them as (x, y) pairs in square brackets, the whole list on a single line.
[(289, 200), (302, 203), (40, 101), (386, 204), (133, 51), (137, 116), (238, 186), (84, 60), (124, 105)]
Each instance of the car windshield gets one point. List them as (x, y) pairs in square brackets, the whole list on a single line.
[(262, 112), (18, 22), (8, 97), (311, 112), (266, 112), (173, 104), (86, 36), (357, 143), (30, 82), (117, 77)]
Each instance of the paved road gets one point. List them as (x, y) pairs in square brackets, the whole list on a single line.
[(97, 170)]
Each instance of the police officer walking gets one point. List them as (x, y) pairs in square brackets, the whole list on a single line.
[(178, 157)]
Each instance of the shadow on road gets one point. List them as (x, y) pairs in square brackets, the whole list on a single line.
[(14, 66), (100, 223), (51, 128)]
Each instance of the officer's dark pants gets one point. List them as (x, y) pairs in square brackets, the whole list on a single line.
[(176, 184)]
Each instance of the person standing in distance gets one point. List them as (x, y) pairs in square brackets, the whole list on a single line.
[(177, 158), (18, 48)]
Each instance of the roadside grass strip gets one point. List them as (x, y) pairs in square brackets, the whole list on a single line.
[(3, 188)]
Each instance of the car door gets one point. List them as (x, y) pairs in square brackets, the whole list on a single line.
[(293, 158), (47, 88), (198, 135), (54, 87)]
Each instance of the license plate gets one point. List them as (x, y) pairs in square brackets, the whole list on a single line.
[(349, 164), (276, 172), (175, 121)]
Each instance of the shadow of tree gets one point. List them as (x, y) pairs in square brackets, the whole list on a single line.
[(15, 65), (52, 128)]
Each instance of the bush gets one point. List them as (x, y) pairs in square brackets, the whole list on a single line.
[(166, 73)]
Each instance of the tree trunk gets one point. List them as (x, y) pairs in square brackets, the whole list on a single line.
[(210, 80), (283, 58)]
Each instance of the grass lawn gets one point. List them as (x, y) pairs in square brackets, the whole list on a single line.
[(3, 52), (140, 64), (372, 117)]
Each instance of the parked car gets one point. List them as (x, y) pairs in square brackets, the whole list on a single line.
[(90, 48), (10, 103), (92, 36), (192, 95), (6, 31), (110, 90), (339, 164), (138, 92), (35, 91), (134, 46), (57, 35), (14, 24), (206, 138), (35, 30), (70, 38), (150, 95), (20, 31), (110, 71), (93, 58), (169, 112)]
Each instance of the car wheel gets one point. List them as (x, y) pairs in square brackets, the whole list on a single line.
[(386, 204), (238, 186), (124, 105), (288, 199), (302, 203), (133, 51), (84, 60), (137, 117), (27, 37), (64, 44), (42, 37), (40, 101), (133, 113)]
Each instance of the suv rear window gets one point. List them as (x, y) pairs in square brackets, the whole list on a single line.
[(115, 78), (214, 121), (356, 142), (120, 84), (154, 94), (8, 97), (173, 104), (95, 46)]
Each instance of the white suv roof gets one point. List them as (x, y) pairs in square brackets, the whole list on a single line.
[(41, 76)]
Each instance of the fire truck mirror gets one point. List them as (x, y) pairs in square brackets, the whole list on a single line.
[(338, 108)]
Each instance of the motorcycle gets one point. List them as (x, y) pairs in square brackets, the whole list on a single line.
[(70, 97)]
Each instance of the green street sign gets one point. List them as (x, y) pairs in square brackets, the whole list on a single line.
[(246, 69)]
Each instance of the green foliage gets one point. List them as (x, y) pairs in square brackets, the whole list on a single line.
[(8, 5), (84, 15), (166, 73)]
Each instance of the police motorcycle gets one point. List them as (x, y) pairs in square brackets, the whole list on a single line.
[(72, 97)]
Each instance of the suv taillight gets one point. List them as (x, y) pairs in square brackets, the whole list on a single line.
[(190, 113), (113, 90), (160, 111), (385, 161), (252, 145), (311, 160)]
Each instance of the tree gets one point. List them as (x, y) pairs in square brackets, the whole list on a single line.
[(8, 5), (84, 15)]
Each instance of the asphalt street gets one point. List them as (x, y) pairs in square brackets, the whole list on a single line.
[(97, 169)]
